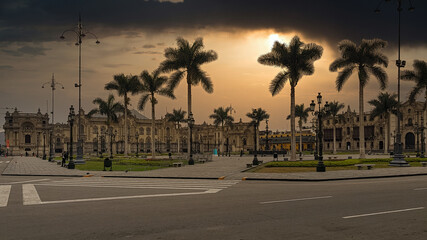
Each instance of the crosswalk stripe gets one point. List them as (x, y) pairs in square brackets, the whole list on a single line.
[(30, 195), (4, 195)]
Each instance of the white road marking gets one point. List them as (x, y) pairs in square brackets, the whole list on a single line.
[(293, 200), (4, 195), (124, 186), (30, 195), (38, 180), (7, 161), (419, 189), (386, 212)]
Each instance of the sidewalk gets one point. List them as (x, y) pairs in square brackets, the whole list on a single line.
[(220, 168)]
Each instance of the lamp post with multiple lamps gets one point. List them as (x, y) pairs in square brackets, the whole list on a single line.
[(80, 34), (398, 157), (137, 143), (266, 138), (190, 128), (53, 83), (255, 160), (71, 117), (422, 136), (320, 166)]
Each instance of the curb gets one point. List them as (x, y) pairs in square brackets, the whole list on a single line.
[(41, 175), (330, 179), (158, 177)]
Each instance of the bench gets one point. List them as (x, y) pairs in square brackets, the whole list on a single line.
[(202, 160), (424, 164), (177, 164), (368, 166), (285, 159), (248, 165), (260, 161)]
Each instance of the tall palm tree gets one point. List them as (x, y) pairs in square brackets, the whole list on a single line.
[(385, 104), (334, 108), (152, 84), (124, 85), (221, 117), (419, 76), (257, 116), (367, 60), (302, 114), (295, 60), (177, 117), (109, 108), (187, 59)]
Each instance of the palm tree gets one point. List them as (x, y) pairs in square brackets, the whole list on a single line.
[(384, 105), (177, 117), (295, 60), (152, 84), (109, 108), (334, 108), (187, 59), (124, 85), (257, 116), (367, 59), (419, 76), (221, 117), (302, 114)]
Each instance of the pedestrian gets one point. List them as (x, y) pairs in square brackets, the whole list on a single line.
[(241, 153), (63, 160)]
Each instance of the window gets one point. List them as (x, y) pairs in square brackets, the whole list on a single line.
[(141, 131), (339, 145), (409, 110), (409, 121), (357, 144), (381, 130), (364, 118), (148, 131), (348, 131), (28, 139), (155, 131), (327, 122), (328, 145)]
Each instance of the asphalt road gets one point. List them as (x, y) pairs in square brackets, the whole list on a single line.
[(113, 208)]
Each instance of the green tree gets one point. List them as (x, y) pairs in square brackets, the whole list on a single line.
[(109, 108), (334, 108), (367, 60), (152, 84), (177, 117), (257, 116), (302, 114), (385, 104), (187, 59), (295, 60), (221, 117), (419, 76), (124, 85)]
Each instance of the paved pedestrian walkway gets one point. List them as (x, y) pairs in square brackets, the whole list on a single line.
[(232, 168)]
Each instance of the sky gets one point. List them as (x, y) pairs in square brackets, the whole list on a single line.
[(135, 33)]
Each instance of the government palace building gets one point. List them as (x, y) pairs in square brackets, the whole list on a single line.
[(29, 133)]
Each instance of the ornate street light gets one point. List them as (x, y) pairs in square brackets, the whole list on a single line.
[(71, 117), (53, 84), (266, 138), (190, 128), (255, 160), (320, 166), (80, 34), (137, 142), (398, 157)]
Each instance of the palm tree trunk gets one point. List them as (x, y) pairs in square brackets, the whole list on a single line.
[(293, 143), (361, 124), (387, 133), (126, 128), (221, 139), (179, 136), (153, 127), (335, 141), (300, 136), (189, 112)]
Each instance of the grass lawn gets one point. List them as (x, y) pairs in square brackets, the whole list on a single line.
[(129, 164), (332, 165)]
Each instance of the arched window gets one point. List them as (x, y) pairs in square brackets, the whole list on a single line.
[(141, 131), (28, 139), (409, 121), (409, 110), (148, 131)]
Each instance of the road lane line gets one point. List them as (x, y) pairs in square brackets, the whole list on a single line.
[(30, 195), (386, 212), (294, 200), (38, 180), (4, 195), (419, 189), (131, 197)]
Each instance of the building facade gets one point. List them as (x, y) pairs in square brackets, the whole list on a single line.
[(30, 133)]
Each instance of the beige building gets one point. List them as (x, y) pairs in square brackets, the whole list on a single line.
[(29, 133)]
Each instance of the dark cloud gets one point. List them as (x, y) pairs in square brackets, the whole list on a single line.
[(147, 52), (33, 51), (116, 65), (160, 44), (148, 46), (333, 20), (5, 67)]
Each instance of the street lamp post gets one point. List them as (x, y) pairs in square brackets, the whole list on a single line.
[(320, 166), (53, 84), (266, 138), (137, 142), (398, 157), (112, 134), (422, 136), (255, 161), (190, 128), (44, 146), (80, 34), (71, 117)]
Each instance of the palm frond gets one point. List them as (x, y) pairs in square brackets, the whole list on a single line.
[(278, 82), (142, 101), (343, 76)]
